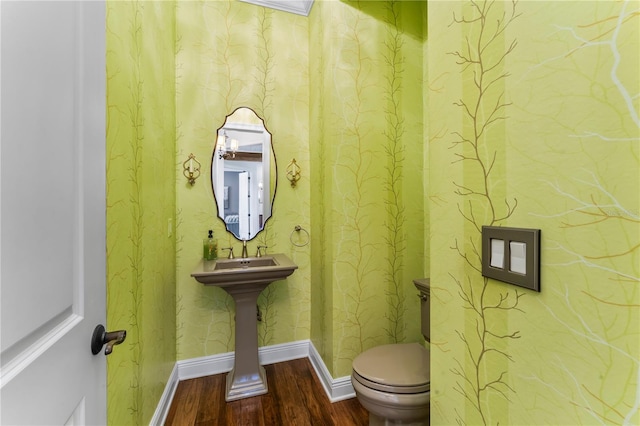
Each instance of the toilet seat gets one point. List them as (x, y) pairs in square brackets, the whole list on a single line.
[(401, 368)]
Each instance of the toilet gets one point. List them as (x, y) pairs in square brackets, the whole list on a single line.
[(392, 382)]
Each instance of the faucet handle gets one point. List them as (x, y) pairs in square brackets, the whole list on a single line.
[(259, 253), (231, 256)]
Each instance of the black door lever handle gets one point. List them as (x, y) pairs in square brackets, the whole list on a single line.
[(110, 339)]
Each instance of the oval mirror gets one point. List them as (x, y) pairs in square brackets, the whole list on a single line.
[(243, 173)]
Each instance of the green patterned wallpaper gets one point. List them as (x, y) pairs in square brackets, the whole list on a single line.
[(141, 290), (368, 162), (508, 113), (231, 54), (533, 108)]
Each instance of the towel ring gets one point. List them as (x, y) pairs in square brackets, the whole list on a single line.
[(298, 228)]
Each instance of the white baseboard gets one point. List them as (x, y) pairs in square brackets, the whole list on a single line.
[(336, 389), (204, 366), (162, 410), (283, 352), (222, 363)]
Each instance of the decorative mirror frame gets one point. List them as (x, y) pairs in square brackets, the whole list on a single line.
[(273, 172)]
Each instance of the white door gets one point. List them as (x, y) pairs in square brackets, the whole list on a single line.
[(52, 212), (243, 205)]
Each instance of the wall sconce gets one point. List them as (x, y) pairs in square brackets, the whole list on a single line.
[(222, 147), (191, 169), (293, 172)]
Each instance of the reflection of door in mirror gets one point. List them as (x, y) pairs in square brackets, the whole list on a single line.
[(237, 211), (243, 166), (244, 212), (240, 215)]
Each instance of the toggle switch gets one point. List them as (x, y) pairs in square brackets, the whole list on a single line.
[(518, 257), (497, 253)]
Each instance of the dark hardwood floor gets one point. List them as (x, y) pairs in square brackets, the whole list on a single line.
[(295, 398)]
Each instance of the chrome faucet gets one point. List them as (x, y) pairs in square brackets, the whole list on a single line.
[(244, 249)]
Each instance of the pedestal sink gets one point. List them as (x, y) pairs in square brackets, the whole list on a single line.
[(244, 279)]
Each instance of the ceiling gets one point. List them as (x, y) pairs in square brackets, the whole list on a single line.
[(299, 7)]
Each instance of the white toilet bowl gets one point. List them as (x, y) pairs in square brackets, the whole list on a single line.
[(392, 382)]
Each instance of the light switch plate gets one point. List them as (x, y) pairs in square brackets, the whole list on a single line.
[(521, 254)]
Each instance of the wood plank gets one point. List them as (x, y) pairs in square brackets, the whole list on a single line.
[(270, 411), (349, 412), (212, 404), (186, 401), (250, 412), (316, 401), (287, 394), (295, 397)]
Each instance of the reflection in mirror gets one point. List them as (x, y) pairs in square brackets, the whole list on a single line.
[(243, 173)]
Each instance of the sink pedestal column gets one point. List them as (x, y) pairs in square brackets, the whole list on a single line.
[(248, 377)]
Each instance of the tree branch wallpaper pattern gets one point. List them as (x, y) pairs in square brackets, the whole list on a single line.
[(356, 266), (363, 92), (559, 153), (394, 151), (483, 108), (140, 202), (415, 123), (227, 59)]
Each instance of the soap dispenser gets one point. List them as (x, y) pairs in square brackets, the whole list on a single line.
[(210, 247)]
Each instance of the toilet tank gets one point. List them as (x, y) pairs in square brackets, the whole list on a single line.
[(423, 285)]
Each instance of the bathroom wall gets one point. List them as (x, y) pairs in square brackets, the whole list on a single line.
[(369, 239), (533, 122), (368, 165), (231, 54), (407, 145), (141, 164)]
